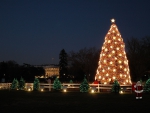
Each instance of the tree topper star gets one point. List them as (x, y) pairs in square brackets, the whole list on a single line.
[(112, 20)]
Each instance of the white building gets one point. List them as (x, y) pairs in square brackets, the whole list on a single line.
[(51, 70)]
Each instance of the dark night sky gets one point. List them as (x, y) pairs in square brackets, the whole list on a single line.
[(35, 31)]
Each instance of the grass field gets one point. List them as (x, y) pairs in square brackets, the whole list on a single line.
[(71, 102)]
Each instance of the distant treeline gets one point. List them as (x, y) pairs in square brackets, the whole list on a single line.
[(10, 70), (138, 54)]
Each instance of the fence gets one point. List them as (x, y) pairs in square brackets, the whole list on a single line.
[(71, 86)]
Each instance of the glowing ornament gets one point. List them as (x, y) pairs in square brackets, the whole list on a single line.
[(117, 48), (120, 75), (113, 51), (104, 61), (106, 49), (114, 70), (120, 61)]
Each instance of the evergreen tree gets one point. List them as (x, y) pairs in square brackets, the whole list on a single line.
[(116, 87), (57, 84), (63, 63), (83, 62), (14, 84), (84, 86), (113, 63), (71, 81), (147, 86), (21, 84), (36, 84)]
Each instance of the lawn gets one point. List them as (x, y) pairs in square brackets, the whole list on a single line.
[(71, 102)]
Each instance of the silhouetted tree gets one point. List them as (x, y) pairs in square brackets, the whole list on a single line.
[(29, 72), (139, 57), (63, 63), (10, 70), (84, 62)]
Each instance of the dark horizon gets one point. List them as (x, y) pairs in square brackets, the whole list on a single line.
[(34, 32)]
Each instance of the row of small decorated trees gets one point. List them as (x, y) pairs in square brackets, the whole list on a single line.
[(84, 86), (20, 85)]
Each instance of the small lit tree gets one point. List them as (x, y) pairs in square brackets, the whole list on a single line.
[(147, 86), (71, 81), (115, 87), (21, 84), (84, 86), (57, 84), (36, 84), (14, 84)]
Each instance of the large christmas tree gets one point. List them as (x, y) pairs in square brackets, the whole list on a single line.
[(113, 63)]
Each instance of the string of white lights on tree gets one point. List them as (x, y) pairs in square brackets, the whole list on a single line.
[(113, 63)]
